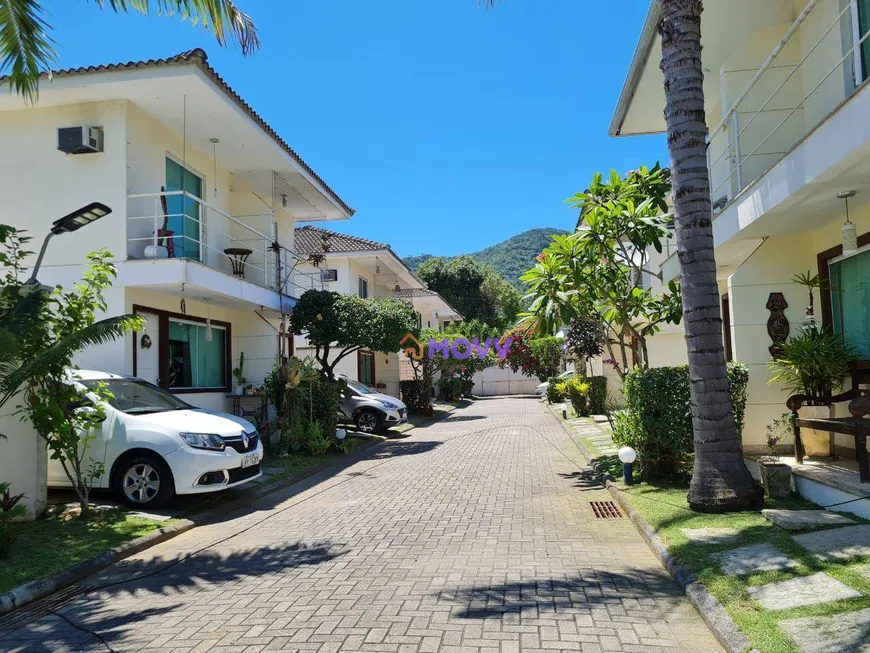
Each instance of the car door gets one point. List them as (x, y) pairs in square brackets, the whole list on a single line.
[(97, 445)]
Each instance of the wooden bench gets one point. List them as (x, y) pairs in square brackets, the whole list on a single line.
[(858, 425)]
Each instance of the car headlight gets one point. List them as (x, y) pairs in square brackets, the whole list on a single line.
[(387, 404), (209, 441)]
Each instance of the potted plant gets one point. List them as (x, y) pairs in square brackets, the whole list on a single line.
[(814, 363), (775, 475), (239, 373)]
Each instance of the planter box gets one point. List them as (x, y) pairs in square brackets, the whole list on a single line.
[(817, 443), (776, 479)]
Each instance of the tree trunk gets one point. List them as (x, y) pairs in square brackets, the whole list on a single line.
[(720, 480)]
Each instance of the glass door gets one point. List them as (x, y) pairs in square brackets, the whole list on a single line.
[(185, 221)]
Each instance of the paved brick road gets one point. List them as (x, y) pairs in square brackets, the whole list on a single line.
[(473, 535)]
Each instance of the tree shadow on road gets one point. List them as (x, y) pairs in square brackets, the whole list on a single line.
[(547, 595), (585, 479), (108, 603), (207, 569), (396, 448)]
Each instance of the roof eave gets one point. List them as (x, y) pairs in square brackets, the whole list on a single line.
[(638, 65)]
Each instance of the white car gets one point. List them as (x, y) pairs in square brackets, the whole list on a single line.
[(154, 445), (541, 390), (369, 410)]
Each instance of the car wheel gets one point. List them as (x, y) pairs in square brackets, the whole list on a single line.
[(368, 421), (144, 481)]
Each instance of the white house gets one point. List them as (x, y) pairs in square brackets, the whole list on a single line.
[(357, 266), (789, 140), (205, 196)]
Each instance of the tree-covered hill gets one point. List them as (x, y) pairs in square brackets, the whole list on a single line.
[(510, 258)]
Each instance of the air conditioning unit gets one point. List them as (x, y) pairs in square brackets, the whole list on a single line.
[(80, 140), (329, 275)]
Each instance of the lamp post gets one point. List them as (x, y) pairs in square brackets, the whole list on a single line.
[(66, 225), (627, 456)]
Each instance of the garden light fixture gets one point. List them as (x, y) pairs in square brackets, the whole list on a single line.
[(627, 456), (66, 225)]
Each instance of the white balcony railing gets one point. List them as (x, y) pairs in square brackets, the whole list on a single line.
[(176, 224), (816, 67)]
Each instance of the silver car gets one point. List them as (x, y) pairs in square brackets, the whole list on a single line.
[(370, 411)]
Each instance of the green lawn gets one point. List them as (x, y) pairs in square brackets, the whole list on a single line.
[(49, 545), (667, 511)]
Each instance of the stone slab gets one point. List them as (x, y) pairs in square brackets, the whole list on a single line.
[(840, 633), (711, 535), (801, 520), (809, 590), (751, 559), (838, 543)]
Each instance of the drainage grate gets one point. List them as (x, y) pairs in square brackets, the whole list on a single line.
[(38, 609), (605, 510)]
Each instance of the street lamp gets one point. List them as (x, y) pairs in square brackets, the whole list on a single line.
[(627, 456), (66, 225)]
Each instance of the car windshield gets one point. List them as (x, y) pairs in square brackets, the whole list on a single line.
[(138, 397), (359, 387)]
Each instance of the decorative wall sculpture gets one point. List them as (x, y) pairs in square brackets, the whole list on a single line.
[(777, 323)]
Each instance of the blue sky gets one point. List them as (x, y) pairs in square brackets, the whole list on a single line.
[(449, 128)]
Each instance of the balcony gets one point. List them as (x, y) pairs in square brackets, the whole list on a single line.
[(178, 226), (819, 64)]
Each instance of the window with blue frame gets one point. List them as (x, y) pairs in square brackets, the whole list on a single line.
[(184, 212)]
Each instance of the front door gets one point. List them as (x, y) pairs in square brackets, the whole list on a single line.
[(185, 212), (148, 349)]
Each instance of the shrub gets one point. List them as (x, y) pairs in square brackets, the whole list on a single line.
[(318, 441), (325, 400), (450, 388), (657, 421), (578, 393), (598, 395), (416, 395), (556, 391), (9, 511)]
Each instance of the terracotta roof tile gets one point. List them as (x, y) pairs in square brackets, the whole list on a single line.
[(310, 240)]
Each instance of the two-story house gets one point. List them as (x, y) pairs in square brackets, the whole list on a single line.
[(789, 146), (358, 266), (205, 196)]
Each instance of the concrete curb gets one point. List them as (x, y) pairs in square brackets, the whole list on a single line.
[(37, 589), (708, 606)]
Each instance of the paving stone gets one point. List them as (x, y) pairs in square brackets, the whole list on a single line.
[(469, 535), (809, 590), (838, 633), (801, 520), (863, 569), (750, 559), (838, 543), (711, 535)]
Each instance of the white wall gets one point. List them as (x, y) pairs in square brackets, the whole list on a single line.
[(40, 184), (497, 382)]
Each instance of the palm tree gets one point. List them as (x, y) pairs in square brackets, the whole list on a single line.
[(15, 370), (26, 49), (720, 480)]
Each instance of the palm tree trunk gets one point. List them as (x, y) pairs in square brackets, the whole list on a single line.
[(720, 480)]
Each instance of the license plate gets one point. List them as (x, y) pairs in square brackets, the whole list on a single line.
[(250, 459)]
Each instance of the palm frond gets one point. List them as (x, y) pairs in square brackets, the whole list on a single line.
[(25, 47), (222, 17), (97, 334)]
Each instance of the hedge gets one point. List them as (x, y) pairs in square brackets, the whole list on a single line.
[(598, 395), (416, 395), (657, 420)]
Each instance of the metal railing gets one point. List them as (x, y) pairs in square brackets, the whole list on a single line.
[(177, 224), (794, 91)]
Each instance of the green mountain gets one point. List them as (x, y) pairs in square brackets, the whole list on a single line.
[(510, 258)]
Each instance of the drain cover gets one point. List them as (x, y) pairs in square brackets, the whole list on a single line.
[(605, 510), (38, 609)]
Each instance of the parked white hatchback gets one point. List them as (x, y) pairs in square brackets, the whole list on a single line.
[(154, 445)]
